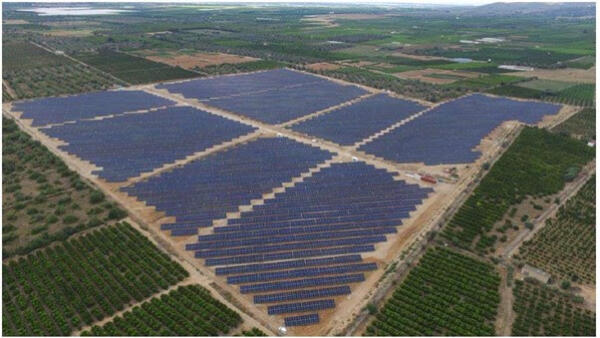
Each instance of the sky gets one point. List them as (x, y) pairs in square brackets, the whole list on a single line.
[(429, 2)]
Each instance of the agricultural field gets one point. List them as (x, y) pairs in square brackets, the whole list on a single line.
[(133, 69), (43, 201), (187, 311), (544, 311), (581, 125), (565, 247), (576, 94), (60, 289), (31, 71), (446, 294), (534, 165)]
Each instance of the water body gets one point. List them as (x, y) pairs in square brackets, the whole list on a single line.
[(461, 60), (49, 11)]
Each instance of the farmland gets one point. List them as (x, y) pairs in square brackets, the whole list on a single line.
[(43, 201), (534, 165), (445, 294), (187, 311), (543, 311), (581, 125), (33, 72), (62, 288), (133, 69), (565, 247)]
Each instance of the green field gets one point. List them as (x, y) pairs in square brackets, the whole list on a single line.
[(133, 69), (60, 289), (546, 85), (187, 311), (534, 165), (446, 294)]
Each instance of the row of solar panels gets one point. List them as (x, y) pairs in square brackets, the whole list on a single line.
[(298, 273)]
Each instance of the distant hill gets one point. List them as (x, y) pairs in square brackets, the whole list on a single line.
[(562, 9)]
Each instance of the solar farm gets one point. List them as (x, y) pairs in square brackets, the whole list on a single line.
[(292, 192)]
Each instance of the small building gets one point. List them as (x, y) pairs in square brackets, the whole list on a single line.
[(535, 273)]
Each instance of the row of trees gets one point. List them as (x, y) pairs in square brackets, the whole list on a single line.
[(446, 294), (544, 311), (566, 246), (187, 311), (534, 165), (59, 289)]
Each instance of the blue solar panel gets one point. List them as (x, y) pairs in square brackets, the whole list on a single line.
[(225, 86), (310, 319), (220, 182), (302, 283), (285, 104), (448, 133), (301, 307), (83, 106), (128, 145), (289, 255), (298, 273), (287, 264), (350, 124), (302, 294)]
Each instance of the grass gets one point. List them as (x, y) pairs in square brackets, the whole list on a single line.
[(546, 85)]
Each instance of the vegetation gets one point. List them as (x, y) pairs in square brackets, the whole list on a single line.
[(34, 72), (447, 293), (60, 289), (544, 311), (534, 165), (254, 332), (133, 69), (411, 88), (566, 246), (230, 68), (581, 125), (187, 311), (43, 200), (578, 95)]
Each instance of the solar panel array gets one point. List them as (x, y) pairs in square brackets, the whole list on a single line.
[(208, 188), (273, 96), (224, 86), (350, 124), (127, 145), (53, 110), (310, 319), (448, 133), (305, 243), (285, 104)]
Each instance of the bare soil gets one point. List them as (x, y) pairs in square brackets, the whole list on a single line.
[(200, 60), (424, 75), (322, 66), (565, 74)]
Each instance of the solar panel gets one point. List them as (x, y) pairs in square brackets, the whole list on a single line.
[(301, 307), (53, 110), (302, 294), (310, 319), (350, 124), (448, 133)]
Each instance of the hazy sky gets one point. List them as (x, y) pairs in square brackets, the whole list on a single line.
[(444, 2)]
